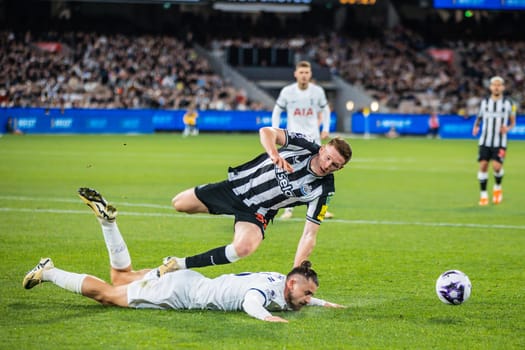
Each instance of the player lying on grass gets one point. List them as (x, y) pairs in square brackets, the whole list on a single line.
[(255, 293)]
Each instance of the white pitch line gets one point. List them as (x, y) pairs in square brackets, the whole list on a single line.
[(208, 217), (64, 200)]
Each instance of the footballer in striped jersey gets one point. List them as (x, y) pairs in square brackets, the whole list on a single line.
[(496, 116), (298, 173)]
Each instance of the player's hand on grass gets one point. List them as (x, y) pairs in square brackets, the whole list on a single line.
[(275, 319), (334, 305)]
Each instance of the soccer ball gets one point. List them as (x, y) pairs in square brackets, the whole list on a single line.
[(453, 287)]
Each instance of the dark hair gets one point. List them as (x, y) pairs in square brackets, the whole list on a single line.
[(304, 270), (343, 147)]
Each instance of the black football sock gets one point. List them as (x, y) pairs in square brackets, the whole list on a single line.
[(498, 177), (216, 256)]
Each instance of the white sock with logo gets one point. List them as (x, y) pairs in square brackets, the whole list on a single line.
[(119, 257)]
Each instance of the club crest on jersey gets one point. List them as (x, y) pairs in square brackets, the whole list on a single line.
[(306, 189), (303, 112)]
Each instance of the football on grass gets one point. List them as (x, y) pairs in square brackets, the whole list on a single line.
[(453, 287)]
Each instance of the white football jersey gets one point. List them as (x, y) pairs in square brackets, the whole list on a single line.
[(188, 289), (227, 292), (302, 109)]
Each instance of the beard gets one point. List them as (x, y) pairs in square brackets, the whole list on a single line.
[(288, 299)]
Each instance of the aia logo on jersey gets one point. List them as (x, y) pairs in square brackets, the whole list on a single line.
[(303, 112)]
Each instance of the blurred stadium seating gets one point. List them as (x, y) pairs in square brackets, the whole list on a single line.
[(117, 54)]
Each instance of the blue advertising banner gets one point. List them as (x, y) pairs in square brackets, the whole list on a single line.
[(451, 126), (146, 121), (72, 121), (111, 121), (481, 4)]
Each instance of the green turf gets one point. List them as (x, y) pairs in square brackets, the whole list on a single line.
[(406, 210)]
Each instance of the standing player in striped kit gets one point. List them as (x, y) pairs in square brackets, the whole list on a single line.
[(306, 111), (298, 173), (498, 115)]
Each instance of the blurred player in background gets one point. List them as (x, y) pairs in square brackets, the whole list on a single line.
[(497, 114), (307, 110), (190, 122), (255, 293)]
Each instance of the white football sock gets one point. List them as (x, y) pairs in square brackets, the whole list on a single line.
[(119, 257), (231, 254), (483, 175), (181, 262), (68, 280)]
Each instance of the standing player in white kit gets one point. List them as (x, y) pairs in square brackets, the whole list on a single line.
[(307, 111), (255, 293)]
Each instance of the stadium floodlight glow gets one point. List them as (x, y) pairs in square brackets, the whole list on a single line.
[(350, 105), (374, 106)]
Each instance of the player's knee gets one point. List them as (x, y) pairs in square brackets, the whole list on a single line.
[(178, 203), (244, 249), (175, 203)]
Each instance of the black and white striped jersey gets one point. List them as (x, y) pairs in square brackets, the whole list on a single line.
[(265, 188), (494, 114)]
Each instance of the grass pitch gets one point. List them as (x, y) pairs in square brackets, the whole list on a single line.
[(406, 210)]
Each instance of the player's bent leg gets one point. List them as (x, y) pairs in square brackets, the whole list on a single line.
[(247, 238), (104, 293), (187, 202)]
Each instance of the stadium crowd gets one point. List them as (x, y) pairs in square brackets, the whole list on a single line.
[(89, 70), (402, 72), (408, 74)]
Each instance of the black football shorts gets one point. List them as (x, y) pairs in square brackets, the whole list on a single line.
[(220, 199)]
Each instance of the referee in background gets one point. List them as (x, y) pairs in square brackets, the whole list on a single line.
[(497, 115)]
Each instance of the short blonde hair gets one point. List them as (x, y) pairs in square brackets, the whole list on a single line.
[(303, 64), (497, 78)]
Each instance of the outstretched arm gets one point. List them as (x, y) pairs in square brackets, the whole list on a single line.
[(270, 137), (306, 243), (276, 116), (324, 303), (253, 305)]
